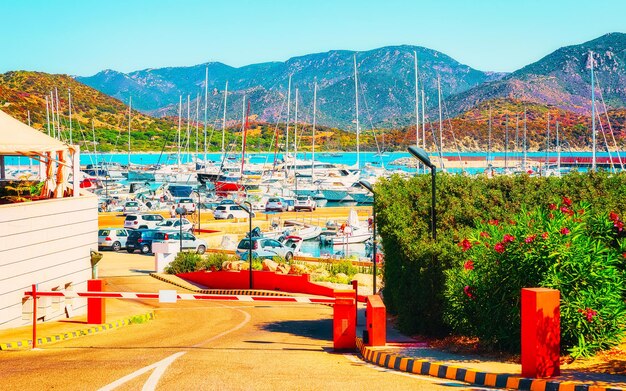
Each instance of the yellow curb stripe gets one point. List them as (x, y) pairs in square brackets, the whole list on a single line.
[(490, 379), (451, 373), (470, 376), (403, 363), (417, 366), (538, 385), (434, 369)]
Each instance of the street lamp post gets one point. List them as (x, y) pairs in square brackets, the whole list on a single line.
[(369, 187), (181, 211), (198, 208), (106, 187), (249, 210), (422, 156)]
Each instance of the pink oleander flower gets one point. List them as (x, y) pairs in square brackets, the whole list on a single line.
[(499, 247), (544, 235), (465, 244), (565, 231), (552, 206), (566, 210), (508, 238), (469, 265), (484, 235), (494, 222), (567, 201), (530, 239), (588, 313), (619, 225), (613, 216), (469, 291)]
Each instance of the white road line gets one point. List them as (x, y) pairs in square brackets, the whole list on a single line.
[(160, 366)]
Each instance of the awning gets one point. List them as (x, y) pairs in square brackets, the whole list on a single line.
[(17, 138)]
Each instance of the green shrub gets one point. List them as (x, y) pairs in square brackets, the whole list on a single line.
[(214, 260), (344, 266), (564, 247), (184, 262), (414, 272)]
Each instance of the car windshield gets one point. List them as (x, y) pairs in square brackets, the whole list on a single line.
[(274, 200), (220, 208), (302, 198), (166, 223), (131, 218), (131, 204)]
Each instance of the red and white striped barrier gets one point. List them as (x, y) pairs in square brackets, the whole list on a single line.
[(181, 296)]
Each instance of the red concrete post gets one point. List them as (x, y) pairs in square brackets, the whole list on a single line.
[(34, 289), (96, 308), (541, 332), (376, 321), (344, 320)]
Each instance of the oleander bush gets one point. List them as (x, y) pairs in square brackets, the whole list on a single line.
[(417, 268), (185, 262), (563, 247)]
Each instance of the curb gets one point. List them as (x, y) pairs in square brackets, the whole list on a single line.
[(471, 376), (27, 343)]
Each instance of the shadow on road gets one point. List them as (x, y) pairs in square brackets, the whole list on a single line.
[(321, 329)]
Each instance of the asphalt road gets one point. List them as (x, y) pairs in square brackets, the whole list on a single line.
[(205, 346)]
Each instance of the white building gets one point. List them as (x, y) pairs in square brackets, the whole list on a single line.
[(45, 241)]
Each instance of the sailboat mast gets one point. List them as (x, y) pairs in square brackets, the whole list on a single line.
[(197, 123), (525, 142), (440, 121), (489, 139), (69, 95), (423, 120), (314, 123), (224, 120), (356, 96), (593, 117), (187, 142), (287, 124), (558, 150), (56, 93), (548, 141), (506, 141), (95, 150), (243, 121), (130, 105), (206, 103), (516, 150), (244, 135), (417, 104), (48, 114), (180, 116), (295, 135)]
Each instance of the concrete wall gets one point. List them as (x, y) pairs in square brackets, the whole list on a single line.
[(48, 243)]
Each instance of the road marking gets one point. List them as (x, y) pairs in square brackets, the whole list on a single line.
[(161, 366)]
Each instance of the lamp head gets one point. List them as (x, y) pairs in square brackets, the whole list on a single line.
[(421, 155), (367, 185)]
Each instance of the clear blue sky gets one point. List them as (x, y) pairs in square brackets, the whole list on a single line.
[(83, 37)]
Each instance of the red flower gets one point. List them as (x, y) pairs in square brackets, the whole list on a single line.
[(484, 235), (552, 206), (619, 225), (565, 231), (499, 247), (567, 211), (567, 201), (623, 255), (465, 244), (530, 239), (469, 265), (508, 238), (494, 222), (588, 313), (469, 291), (551, 216), (544, 235), (580, 211), (613, 216)]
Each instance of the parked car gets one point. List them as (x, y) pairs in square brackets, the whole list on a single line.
[(141, 239), (276, 204), (190, 241), (139, 221), (112, 238), (173, 224), (305, 202), (263, 248), (188, 204), (230, 212), (132, 207), (227, 201), (291, 203)]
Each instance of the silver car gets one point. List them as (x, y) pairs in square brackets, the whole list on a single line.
[(174, 224), (189, 241), (112, 238)]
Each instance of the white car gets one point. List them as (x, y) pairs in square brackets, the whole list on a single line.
[(173, 224), (230, 212), (132, 207), (189, 241), (142, 221), (305, 202), (188, 204)]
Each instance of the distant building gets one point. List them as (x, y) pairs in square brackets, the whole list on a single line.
[(46, 238)]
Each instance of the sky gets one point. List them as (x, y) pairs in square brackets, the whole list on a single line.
[(86, 36)]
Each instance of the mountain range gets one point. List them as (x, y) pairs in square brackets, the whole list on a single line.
[(386, 84)]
